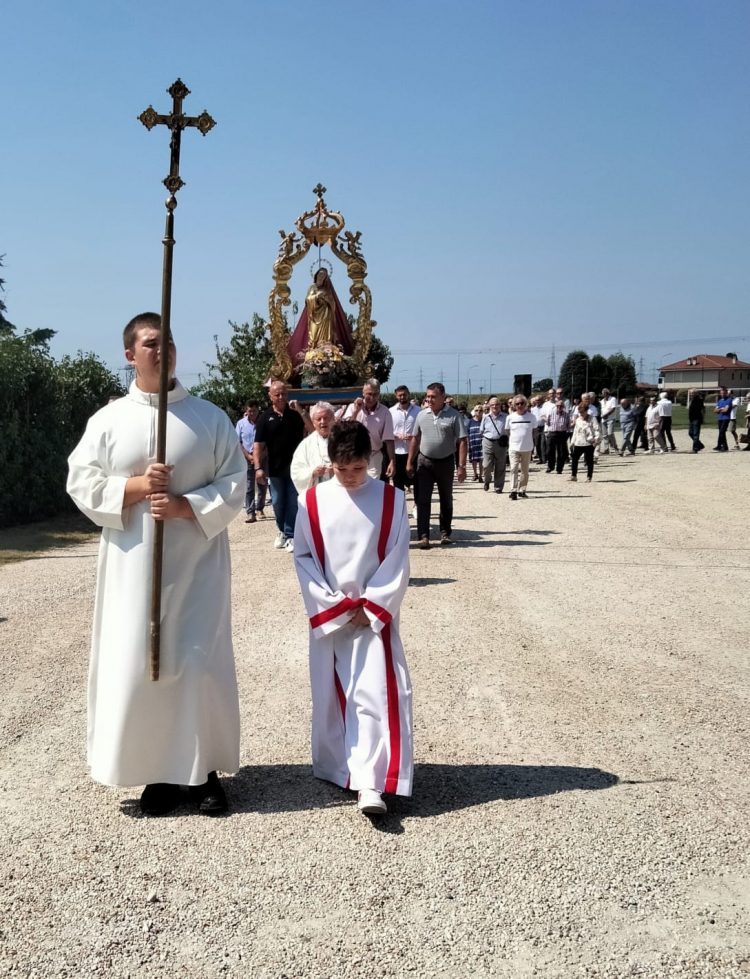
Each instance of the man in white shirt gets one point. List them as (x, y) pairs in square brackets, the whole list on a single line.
[(404, 414), (521, 424), (609, 410), (656, 441), (733, 418), (665, 413)]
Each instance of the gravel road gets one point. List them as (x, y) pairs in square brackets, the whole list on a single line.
[(580, 672)]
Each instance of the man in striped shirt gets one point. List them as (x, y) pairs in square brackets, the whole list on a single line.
[(556, 428)]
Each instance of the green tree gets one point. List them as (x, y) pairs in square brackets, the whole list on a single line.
[(44, 407), (622, 375), (599, 374), (84, 384), (240, 368), (543, 385), (6, 328), (573, 374), (380, 358)]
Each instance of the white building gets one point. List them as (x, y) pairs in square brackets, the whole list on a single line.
[(705, 372)]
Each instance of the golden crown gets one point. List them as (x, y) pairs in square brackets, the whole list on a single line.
[(320, 226)]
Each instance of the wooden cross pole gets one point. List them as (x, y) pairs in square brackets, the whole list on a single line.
[(175, 121)]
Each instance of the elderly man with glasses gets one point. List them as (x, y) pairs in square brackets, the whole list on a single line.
[(494, 445), (521, 424)]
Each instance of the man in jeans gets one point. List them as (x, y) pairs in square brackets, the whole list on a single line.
[(245, 428), (437, 431), (723, 411), (279, 430)]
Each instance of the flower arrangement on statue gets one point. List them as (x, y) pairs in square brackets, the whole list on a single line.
[(326, 366)]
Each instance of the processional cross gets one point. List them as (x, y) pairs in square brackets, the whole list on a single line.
[(175, 121)]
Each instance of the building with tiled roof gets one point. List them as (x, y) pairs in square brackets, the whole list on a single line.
[(706, 372)]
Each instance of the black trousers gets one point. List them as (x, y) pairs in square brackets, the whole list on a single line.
[(587, 451), (557, 450), (431, 472), (666, 429), (639, 432), (400, 477)]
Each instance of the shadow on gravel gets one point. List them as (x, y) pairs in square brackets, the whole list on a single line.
[(421, 582), (474, 538), (557, 494), (615, 480), (438, 789)]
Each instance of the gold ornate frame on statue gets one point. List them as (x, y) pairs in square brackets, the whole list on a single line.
[(318, 227)]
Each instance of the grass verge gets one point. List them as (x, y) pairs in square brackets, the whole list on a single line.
[(32, 540)]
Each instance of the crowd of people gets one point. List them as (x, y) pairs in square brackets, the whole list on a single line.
[(336, 478), (564, 431)]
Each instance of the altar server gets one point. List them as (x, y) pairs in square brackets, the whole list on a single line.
[(351, 552), (179, 730)]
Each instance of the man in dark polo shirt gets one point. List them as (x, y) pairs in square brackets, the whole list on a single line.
[(438, 430), (279, 430)]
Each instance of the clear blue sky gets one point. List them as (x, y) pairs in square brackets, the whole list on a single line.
[(523, 173)]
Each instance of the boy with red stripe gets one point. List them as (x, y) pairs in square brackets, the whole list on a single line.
[(351, 553)]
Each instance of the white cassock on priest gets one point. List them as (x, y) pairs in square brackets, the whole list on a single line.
[(310, 462), (185, 725), (351, 551)]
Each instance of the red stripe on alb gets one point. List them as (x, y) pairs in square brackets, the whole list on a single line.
[(389, 497), (342, 704), (340, 694), (345, 605), (312, 510), (383, 614), (394, 719)]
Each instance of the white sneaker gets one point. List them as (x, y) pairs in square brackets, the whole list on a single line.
[(280, 541), (289, 546), (371, 803)]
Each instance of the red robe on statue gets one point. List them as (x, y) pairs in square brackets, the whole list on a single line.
[(342, 334)]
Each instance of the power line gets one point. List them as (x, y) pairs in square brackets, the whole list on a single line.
[(424, 351)]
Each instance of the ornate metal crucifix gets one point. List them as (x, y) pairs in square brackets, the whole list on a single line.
[(175, 121)]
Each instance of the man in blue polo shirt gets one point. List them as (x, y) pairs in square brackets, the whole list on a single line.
[(723, 411)]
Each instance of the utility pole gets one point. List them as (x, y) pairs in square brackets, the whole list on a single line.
[(552, 366), (421, 380)]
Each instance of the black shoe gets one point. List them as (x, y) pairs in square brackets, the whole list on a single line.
[(445, 538), (486, 487), (523, 496), (513, 496), (210, 796), (160, 798), (498, 491), (424, 543)]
